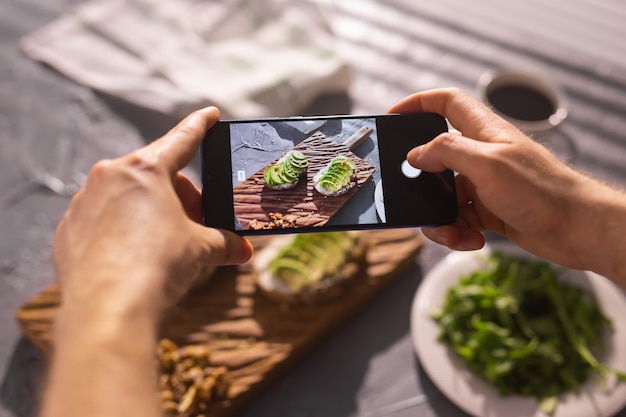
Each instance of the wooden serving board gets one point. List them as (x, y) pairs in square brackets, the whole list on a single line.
[(254, 201), (255, 338)]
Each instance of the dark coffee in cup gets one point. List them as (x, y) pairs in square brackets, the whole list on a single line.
[(521, 102), (527, 99)]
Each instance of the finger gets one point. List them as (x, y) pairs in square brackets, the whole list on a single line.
[(464, 112), (448, 151), (466, 232), (221, 247), (454, 237), (190, 197), (178, 147)]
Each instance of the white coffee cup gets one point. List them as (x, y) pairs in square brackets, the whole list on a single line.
[(527, 98)]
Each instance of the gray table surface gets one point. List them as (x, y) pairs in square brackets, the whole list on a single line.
[(395, 47)]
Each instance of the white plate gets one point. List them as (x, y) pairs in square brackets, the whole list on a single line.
[(474, 395), (379, 201)]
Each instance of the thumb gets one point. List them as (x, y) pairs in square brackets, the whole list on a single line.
[(220, 247)]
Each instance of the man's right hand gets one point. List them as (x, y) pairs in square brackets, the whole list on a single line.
[(509, 184)]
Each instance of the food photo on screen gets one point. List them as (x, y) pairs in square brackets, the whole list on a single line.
[(305, 173)]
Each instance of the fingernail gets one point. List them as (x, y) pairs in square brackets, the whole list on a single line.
[(211, 109), (442, 238), (472, 242), (246, 251)]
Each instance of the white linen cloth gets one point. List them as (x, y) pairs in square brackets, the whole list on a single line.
[(252, 58)]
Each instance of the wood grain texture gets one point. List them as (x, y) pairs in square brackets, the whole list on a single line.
[(256, 338), (254, 201)]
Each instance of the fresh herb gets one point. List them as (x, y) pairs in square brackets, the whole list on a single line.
[(514, 324)]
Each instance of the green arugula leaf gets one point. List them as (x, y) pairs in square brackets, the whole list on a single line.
[(515, 325)]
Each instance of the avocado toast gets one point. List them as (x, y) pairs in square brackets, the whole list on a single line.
[(309, 268), (337, 177), (286, 172)]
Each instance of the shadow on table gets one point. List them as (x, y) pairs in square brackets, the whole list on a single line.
[(438, 402), (151, 124), (330, 379), (325, 383), (23, 381)]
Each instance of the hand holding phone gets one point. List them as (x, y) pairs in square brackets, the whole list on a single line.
[(307, 174)]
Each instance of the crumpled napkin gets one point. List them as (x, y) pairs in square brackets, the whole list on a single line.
[(251, 58)]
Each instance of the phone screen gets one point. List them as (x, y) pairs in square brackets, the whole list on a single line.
[(334, 173)]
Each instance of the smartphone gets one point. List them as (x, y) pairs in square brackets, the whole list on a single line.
[(326, 173)]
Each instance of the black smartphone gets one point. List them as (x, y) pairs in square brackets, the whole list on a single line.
[(326, 173)]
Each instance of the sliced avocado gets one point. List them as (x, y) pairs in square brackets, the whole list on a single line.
[(290, 173), (295, 251), (342, 160), (345, 241), (331, 177), (267, 175), (340, 175), (284, 178), (287, 170), (328, 184), (275, 175), (330, 251), (289, 271), (295, 273), (300, 164), (317, 250), (341, 168), (297, 158), (314, 258), (311, 257), (335, 179), (298, 155)]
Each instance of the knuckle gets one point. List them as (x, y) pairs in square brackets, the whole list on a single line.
[(453, 94), (185, 129), (446, 140), (102, 165), (143, 160), (128, 166), (101, 169)]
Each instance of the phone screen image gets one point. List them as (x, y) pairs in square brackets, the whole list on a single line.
[(305, 173), (331, 173)]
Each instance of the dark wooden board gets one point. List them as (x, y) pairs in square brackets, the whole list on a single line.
[(254, 337), (254, 201)]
